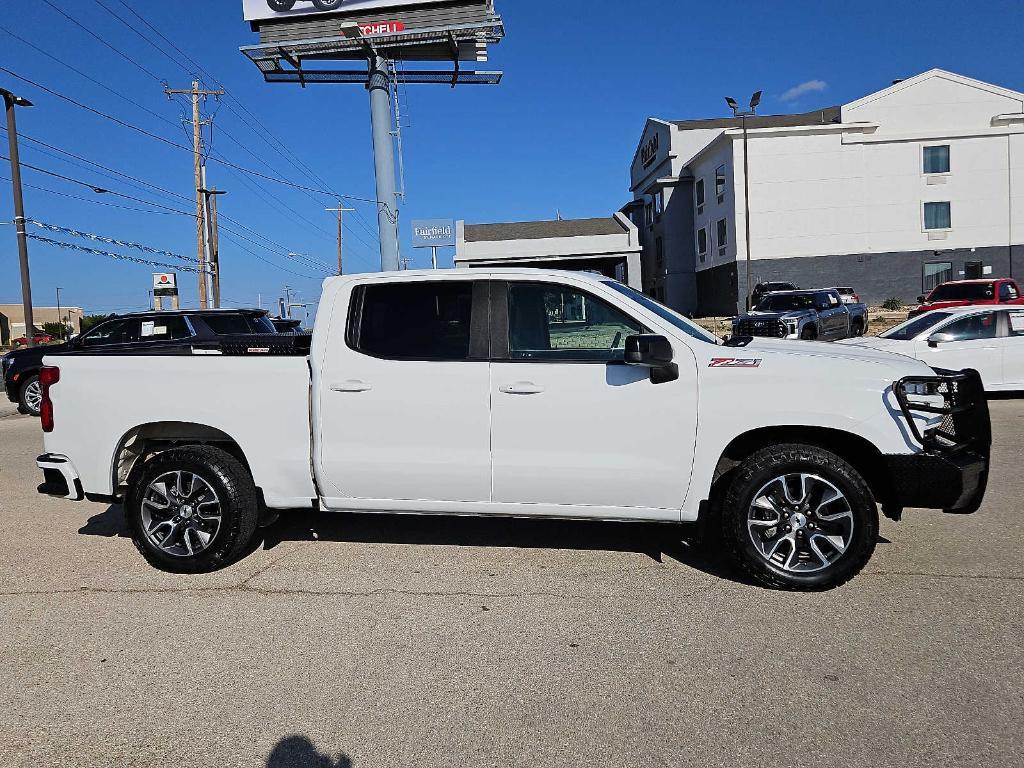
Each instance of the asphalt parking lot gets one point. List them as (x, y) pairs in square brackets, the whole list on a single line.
[(381, 641)]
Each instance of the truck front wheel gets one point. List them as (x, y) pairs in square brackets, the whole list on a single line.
[(30, 400), (809, 333), (192, 509), (799, 517)]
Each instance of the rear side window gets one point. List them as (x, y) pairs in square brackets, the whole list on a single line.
[(228, 324), (1008, 292), (414, 321), (164, 329)]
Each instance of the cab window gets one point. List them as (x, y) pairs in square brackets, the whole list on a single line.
[(1008, 292), (554, 323), (124, 331), (981, 326)]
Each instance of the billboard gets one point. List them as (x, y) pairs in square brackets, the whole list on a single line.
[(262, 10), (433, 233)]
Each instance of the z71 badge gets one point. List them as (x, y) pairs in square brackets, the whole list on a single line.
[(732, 362)]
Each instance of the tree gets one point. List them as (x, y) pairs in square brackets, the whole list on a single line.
[(57, 330)]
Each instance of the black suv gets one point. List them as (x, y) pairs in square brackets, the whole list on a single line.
[(119, 333)]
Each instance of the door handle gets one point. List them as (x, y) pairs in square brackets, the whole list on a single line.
[(522, 388), (352, 385)]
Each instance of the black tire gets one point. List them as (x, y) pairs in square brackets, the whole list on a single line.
[(238, 506), (809, 333), (758, 472), (857, 329), (328, 5), (281, 5), (28, 397)]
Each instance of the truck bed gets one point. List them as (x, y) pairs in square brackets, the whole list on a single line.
[(255, 400)]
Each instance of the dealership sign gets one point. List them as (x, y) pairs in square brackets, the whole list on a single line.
[(165, 284), (433, 233), (262, 10)]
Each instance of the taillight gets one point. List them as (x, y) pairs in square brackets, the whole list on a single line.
[(48, 376), (856, 298)]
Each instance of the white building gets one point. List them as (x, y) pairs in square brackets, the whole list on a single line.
[(610, 246), (891, 194)]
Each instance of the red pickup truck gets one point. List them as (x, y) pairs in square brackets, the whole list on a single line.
[(963, 293)]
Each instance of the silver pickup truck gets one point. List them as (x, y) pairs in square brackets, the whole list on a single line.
[(807, 314)]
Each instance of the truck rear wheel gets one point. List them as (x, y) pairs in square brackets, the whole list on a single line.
[(192, 509), (799, 517)]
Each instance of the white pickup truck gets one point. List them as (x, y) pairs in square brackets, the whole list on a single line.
[(520, 393)]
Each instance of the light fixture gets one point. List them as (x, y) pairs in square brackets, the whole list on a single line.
[(18, 101)]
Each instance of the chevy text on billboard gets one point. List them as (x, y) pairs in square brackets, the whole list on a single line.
[(262, 10), (433, 233)]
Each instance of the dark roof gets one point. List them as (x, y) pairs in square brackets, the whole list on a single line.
[(817, 117), (190, 312), (537, 230)]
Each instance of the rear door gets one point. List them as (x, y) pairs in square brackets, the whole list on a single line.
[(402, 399), (834, 318), (575, 431), (1013, 350)]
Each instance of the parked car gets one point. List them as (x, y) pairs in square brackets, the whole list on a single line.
[(120, 333), (988, 339), (763, 289), (963, 293), (519, 392), (812, 314), (848, 295), (39, 338)]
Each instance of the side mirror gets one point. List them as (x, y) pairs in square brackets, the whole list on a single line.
[(654, 352), (920, 299), (940, 338)]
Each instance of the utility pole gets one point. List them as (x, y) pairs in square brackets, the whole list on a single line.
[(288, 301), (213, 236), (341, 210), (10, 102), (404, 263), (197, 147)]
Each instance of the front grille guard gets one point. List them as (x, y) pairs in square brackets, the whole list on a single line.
[(965, 424)]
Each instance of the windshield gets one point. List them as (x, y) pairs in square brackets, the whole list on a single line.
[(962, 292), (666, 314), (785, 302), (914, 328)]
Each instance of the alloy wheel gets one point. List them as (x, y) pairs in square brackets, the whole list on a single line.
[(800, 523), (181, 513)]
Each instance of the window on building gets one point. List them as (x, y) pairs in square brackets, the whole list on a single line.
[(659, 255), (414, 321), (549, 322), (937, 216), (935, 274), (720, 181), (659, 204), (649, 214), (702, 243), (936, 159), (723, 233), (699, 194)]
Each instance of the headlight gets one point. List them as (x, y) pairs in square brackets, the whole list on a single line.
[(922, 389)]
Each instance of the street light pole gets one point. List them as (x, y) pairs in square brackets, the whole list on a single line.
[(10, 102), (755, 100), (60, 320)]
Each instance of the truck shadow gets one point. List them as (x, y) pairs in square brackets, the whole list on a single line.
[(299, 752), (652, 540)]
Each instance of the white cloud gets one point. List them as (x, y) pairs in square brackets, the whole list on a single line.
[(811, 86)]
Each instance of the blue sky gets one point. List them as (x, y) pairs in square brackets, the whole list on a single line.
[(556, 135)]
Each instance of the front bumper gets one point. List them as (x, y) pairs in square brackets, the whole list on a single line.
[(60, 478), (951, 473)]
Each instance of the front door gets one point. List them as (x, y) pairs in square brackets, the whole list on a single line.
[(974, 343), (575, 431), (403, 407)]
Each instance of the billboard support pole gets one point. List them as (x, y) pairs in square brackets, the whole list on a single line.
[(433, 257), (384, 162)]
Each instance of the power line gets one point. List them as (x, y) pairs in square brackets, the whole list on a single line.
[(110, 241), (104, 42), (176, 145), (99, 202), (109, 254)]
